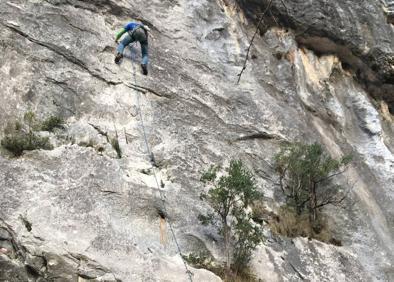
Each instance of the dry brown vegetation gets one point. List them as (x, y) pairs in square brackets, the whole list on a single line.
[(288, 223)]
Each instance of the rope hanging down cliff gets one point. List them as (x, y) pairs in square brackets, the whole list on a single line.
[(251, 41), (260, 22), (153, 163)]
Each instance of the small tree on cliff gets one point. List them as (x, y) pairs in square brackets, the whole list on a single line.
[(229, 196), (306, 173)]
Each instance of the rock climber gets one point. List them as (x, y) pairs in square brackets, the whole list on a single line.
[(135, 32)]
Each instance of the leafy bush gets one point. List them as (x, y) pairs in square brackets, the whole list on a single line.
[(205, 261), (306, 173), (229, 196), (30, 120), (21, 141), (206, 219), (248, 235), (22, 137), (199, 260), (210, 174), (51, 123)]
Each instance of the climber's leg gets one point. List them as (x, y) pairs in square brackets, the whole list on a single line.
[(119, 51), (145, 57)]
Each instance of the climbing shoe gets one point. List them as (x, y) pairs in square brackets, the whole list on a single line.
[(144, 69), (118, 57)]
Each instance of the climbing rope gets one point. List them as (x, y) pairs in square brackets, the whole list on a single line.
[(154, 165)]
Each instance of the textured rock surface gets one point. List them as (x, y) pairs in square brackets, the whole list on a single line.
[(74, 214), (356, 31), (390, 11)]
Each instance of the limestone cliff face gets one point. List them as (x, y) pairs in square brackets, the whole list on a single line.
[(321, 71), (358, 32)]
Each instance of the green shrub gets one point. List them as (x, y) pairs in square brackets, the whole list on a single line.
[(205, 261), (19, 142), (30, 120), (199, 260), (210, 174), (306, 173), (12, 127), (248, 235), (206, 219), (51, 123), (229, 196), (20, 137)]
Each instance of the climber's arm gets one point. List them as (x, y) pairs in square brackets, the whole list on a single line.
[(119, 34)]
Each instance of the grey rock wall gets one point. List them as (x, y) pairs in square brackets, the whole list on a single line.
[(356, 31), (77, 214)]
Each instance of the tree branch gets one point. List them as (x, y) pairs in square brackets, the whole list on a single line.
[(332, 201), (331, 176)]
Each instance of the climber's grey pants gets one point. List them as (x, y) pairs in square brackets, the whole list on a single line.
[(140, 36)]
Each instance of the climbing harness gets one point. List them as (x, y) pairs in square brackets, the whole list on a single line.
[(139, 27), (154, 165)]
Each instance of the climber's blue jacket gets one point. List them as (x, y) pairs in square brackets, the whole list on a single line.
[(128, 27)]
